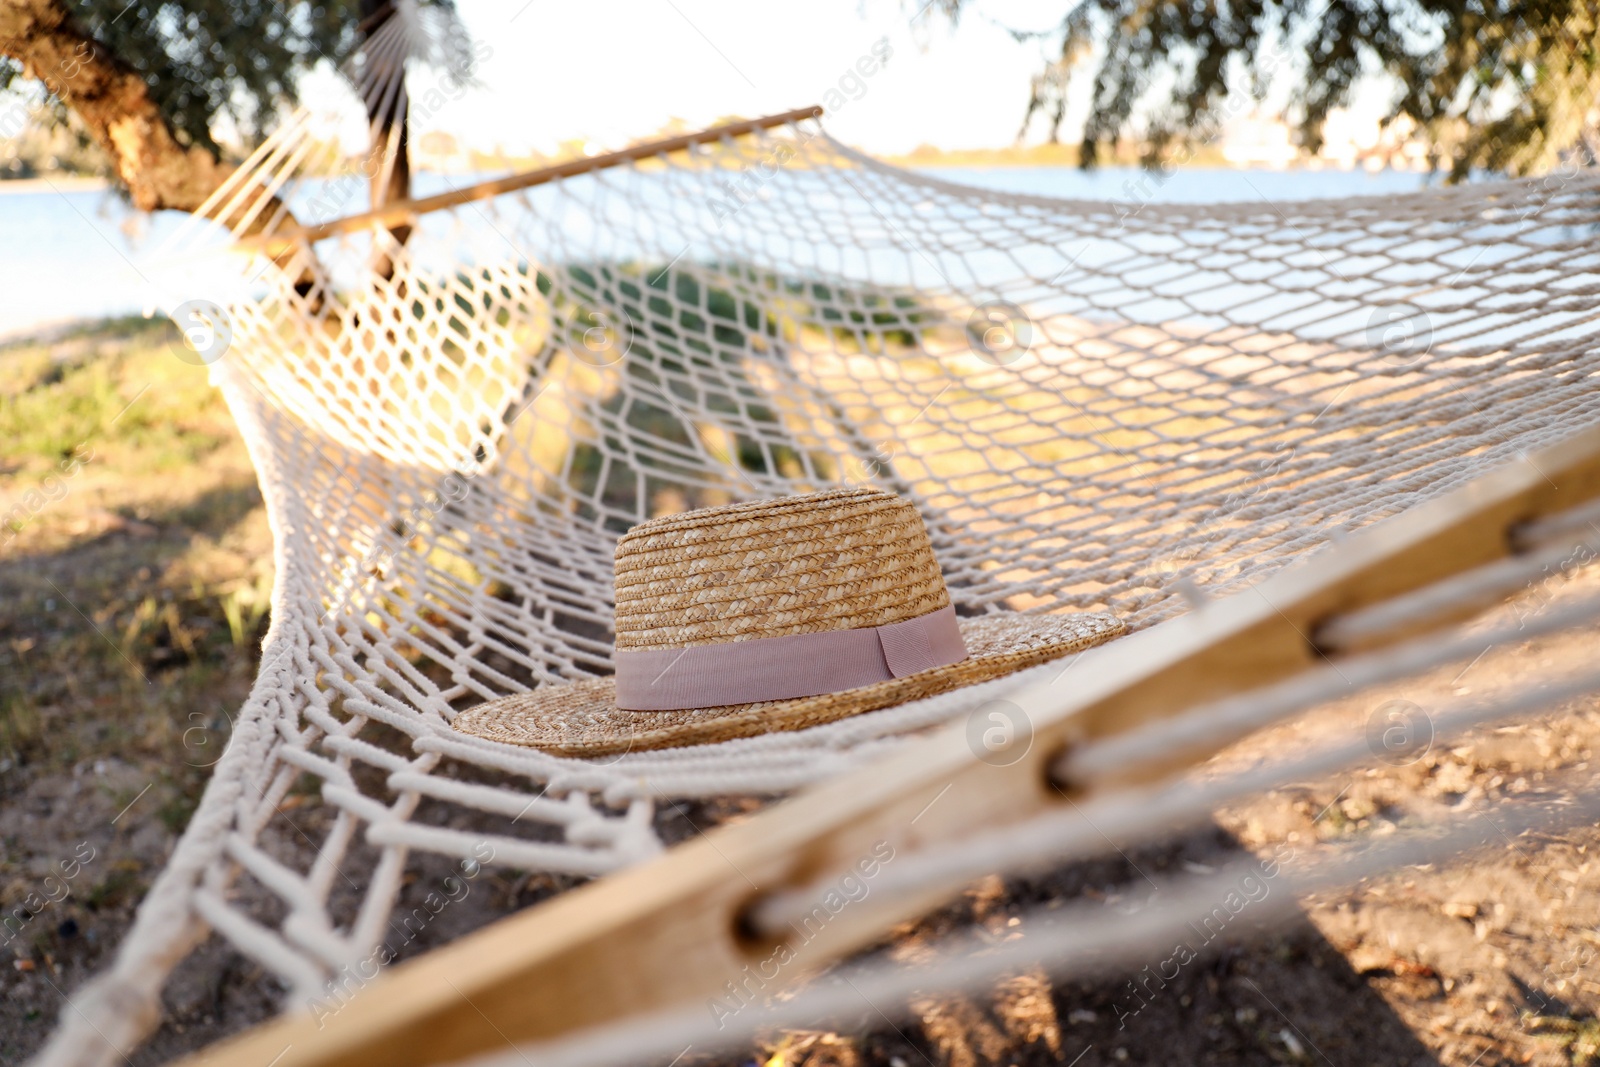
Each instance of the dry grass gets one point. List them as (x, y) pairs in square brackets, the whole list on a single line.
[(135, 564)]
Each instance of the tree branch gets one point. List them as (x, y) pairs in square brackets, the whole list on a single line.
[(111, 100)]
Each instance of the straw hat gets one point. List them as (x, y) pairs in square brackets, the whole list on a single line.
[(776, 615)]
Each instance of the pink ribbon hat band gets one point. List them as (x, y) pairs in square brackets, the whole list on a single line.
[(787, 667)]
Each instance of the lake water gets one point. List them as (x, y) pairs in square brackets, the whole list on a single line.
[(80, 254)]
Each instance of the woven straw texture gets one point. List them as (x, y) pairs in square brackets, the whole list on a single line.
[(583, 720), (836, 560)]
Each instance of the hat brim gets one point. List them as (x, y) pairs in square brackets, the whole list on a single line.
[(582, 718)]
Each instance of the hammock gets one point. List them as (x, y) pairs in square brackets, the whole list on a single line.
[(1113, 406)]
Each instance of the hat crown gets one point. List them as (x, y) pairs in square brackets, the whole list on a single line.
[(836, 560)]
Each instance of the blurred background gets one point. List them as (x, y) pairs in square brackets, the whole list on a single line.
[(1308, 99)]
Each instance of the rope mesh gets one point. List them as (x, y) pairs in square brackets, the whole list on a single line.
[(1090, 406), (1094, 405)]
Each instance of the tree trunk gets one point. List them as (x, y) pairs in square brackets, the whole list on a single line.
[(110, 99)]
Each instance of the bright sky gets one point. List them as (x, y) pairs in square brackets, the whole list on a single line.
[(612, 70)]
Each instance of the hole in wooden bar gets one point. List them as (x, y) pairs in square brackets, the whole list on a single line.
[(1056, 771), (751, 933)]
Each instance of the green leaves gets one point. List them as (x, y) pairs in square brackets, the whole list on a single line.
[(205, 60), (1504, 85)]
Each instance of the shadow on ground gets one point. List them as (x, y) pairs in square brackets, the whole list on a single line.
[(128, 641), (1253, 996)]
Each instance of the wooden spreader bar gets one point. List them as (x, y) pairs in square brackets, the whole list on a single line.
[(670, 932), (401, 211)]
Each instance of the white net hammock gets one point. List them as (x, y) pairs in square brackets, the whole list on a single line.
[(1095, 406)]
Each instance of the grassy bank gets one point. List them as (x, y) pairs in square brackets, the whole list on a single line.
[(135, 565), (1041, 155), (133, 544)]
